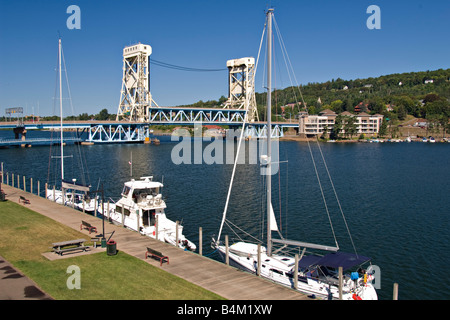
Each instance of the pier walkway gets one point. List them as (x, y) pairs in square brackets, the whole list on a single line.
[(212, 275)]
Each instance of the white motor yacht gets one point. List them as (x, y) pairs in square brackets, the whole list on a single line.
[(141, 208)]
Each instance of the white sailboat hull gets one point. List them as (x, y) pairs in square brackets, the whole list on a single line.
[(244, 256)]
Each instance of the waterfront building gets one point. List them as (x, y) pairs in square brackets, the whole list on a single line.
[(313, 125)]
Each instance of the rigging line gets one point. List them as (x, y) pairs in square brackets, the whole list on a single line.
[(315, 168), (79, 158), (323, 158), (228, 222), (280, 39), (323, 196), (181, 68), (338, 202), (232, 175)]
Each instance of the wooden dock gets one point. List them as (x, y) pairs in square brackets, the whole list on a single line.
[(217, 277)]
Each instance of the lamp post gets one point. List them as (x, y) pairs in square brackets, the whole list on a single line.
[(103, 213)]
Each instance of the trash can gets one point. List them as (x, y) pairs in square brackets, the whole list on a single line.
[(111, 248)]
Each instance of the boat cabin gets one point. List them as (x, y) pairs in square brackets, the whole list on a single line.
[(144, 191)]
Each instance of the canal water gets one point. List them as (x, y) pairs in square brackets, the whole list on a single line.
[(394, 196)]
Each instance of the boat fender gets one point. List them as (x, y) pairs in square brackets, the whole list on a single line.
[(356, 297), (365, 278), (354, 276)]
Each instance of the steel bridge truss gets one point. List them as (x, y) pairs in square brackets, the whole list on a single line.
[(129, 133), (191, 116), (117, 133)]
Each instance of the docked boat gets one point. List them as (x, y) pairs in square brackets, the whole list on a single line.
[(71, 193), (316, 274), (142, 209), (74, 195), (431, 140)]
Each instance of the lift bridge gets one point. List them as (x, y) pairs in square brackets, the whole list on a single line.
[(137, 110), (135, 132)]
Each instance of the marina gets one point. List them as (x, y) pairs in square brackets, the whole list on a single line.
[(199, 270), (389, 223), (250, 201)]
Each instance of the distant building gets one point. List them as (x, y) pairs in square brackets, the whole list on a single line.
[(313, 125), (429, 81), (361, 107), (421, 123)]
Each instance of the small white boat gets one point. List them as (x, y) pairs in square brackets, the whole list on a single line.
[(432, 140), (73, 199), (424, 139), (141, 209)]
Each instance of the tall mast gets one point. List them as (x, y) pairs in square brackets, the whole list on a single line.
[(60, 109), (269, 129)]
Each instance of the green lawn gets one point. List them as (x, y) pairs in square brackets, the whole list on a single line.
[(25, 234)]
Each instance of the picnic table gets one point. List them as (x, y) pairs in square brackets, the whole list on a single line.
[(70, 245)]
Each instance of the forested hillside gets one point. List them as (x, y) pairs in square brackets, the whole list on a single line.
[(423, 94)]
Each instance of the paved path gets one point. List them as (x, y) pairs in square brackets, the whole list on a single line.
[(210, 274), (15, 286)]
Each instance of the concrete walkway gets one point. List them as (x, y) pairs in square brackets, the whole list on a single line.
[(212, 275)]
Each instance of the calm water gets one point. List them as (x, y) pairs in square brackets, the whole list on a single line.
[(395, 198)]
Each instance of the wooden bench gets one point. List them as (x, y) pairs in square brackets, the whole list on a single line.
[(88, 226), (24, 200), (67, 246), (157, 255)]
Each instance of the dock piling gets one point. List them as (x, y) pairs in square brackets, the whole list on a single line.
[(258, 271), (227, 259), (156, 226), (395, 293), (296, 272), (200, 241), (176, 233), (340, 282)]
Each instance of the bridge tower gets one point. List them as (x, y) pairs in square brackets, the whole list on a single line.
[(135, 96), (241, 86)]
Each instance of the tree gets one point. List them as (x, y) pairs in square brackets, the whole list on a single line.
[(336, 106), (337, 127), (383, 128), (401, 113), (102, 115), (350, 126)]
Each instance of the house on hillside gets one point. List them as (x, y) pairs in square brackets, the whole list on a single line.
[(422, 123), (361, 107)]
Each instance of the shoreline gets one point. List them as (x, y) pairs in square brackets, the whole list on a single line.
[(395, 140)]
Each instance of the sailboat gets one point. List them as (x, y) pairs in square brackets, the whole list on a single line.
[(72, 194), (317, 275)]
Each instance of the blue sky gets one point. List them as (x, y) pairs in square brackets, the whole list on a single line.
[(324, 40)]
